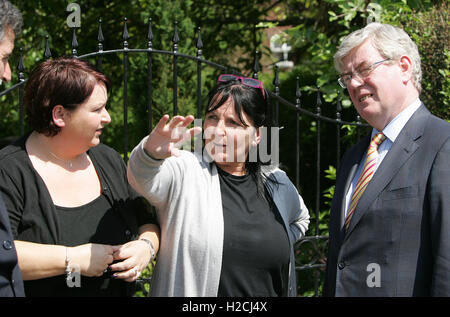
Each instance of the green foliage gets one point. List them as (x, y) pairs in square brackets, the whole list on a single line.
[(445, 73), (146, 274), (430, 30), (325, 23), (328, 193), (219, 22), (315, 252)]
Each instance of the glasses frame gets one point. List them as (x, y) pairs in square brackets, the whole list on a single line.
[(362, 74), (243, 80)]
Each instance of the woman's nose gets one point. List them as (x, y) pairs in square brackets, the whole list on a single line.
[(106, 118), (220, 128)]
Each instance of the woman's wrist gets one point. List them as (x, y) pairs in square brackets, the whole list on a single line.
[(151, 248), (151, 156), (149, 152), (68, 265)]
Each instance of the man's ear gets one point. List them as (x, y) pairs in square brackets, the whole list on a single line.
[(406, 68), (59, 116)]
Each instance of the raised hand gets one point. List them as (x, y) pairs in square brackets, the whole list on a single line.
[(166, 138)]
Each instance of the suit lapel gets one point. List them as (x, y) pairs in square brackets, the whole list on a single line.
[(403, 148)]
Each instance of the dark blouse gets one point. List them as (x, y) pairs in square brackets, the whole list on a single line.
[(255, 260), (113, 218)]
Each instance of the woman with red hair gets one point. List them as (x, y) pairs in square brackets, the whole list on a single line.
[(79, 228)]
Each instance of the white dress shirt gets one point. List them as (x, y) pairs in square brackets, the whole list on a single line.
[(391, 131)]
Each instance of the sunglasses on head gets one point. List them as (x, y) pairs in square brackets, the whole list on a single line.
[(250, 82)]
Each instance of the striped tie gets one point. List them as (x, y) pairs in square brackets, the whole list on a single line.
[(366, 174)]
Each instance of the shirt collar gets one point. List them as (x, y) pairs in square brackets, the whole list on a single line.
[(393, 129)]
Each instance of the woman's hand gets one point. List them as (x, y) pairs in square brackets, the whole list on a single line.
[(166, 138), (134, 257), (92, 259)]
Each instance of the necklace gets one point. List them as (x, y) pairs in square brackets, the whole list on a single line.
[(62, 160), (41, 143)]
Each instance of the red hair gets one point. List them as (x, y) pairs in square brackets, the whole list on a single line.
[(61, 81)]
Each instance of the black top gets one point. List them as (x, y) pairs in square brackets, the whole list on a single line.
[(256, 251), (10, 278), (112, 218)]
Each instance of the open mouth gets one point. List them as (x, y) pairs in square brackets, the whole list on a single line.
[(365, 97)]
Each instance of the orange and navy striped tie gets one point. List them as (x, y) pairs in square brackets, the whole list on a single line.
[(366, 174)]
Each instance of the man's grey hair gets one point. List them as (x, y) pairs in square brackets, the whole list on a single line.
[(390, 41), (9, 16)]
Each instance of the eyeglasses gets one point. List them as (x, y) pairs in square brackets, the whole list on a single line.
[(344, 80), (250, 82)]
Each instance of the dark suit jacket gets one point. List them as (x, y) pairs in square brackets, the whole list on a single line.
[(398, 241), (11, 283)]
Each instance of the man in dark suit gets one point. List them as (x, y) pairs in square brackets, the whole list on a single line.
[(390, 215), (11, 283)]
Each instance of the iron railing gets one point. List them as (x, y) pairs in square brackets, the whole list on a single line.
[(315, 243)]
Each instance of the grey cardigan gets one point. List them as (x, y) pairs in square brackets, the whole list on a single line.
[(185, 191)]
